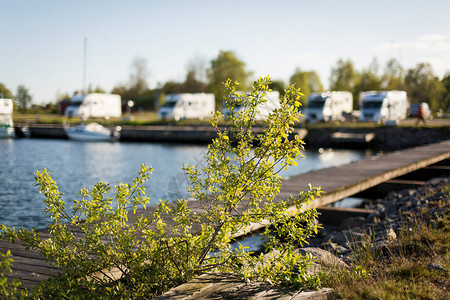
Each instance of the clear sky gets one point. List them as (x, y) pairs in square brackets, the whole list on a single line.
[(42, 41)]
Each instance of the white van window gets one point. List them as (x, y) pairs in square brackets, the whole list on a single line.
[(169, 104), (372, 104), (315, 104)]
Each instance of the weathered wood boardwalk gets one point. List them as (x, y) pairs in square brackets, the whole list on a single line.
[(338, 182), (346, 180)]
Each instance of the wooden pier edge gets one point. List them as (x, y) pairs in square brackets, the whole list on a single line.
[(343, 191)]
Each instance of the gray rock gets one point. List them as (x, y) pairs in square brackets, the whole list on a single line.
[(345, 237), (405, 204), (335, 248), (324, 258), (323, 293), (437, 267), (391, 209), (352, 222)]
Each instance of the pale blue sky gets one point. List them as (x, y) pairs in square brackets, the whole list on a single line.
[(42, 41)]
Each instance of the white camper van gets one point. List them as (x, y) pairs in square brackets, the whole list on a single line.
[(187, 106), (94, 105), (383, 106), (264, 109), (6, 122), (328, 106)]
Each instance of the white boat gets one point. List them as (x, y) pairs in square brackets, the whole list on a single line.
[(92, 132), (6, 122), (6, 132)]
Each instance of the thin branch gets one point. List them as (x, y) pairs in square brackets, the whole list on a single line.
[(171, 257), (208, 247)]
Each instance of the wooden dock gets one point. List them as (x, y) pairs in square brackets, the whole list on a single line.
[(337, 182), (347, 180)]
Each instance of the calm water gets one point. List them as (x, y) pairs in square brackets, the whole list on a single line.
[(74, 165)]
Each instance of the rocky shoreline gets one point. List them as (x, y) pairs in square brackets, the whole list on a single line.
[(381, 226)]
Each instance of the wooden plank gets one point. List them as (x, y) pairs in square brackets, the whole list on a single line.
[(27, 284), (28, 275)]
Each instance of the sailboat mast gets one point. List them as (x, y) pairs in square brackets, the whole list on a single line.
[(84, 66)]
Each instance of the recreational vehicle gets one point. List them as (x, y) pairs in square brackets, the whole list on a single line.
[(6, 122), (263, 109), (384, 106), (328, 106), (94, 106), (187, 106)]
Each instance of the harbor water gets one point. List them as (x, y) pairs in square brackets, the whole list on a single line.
[(74, 165)]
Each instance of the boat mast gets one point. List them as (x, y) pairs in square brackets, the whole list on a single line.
[(84, 66)]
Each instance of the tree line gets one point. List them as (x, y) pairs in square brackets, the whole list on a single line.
[(420, 82)]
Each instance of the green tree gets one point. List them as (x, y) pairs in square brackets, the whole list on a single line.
[(101, 253), (120, 89), (23, 98), (278, 85), (344, 77), (137, 84), (190, 85), (225, 65), (315, 85), (423, 86), (193, 85), (146, 100), (197, 66), (394, 76), (61, 97), (446, 98), (138, 76), (368, 80), (172, 87), (96, 90), (308, 82), (300, 80), (5, 93)]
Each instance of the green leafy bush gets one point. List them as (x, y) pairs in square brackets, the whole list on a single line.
[(106, 247), (8, 288)]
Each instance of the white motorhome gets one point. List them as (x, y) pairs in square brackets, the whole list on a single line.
[(187, 106), (6, 122), (264, 109), (94, 105), (328, 106), (383, 106)]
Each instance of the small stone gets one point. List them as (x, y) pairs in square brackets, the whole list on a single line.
[(380, 206), (405, 204), (437, 267), (341, 250), (391, 235)]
